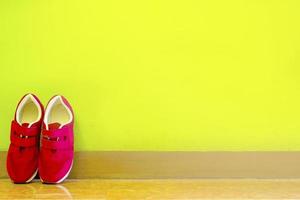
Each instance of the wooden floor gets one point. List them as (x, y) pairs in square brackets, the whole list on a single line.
[(154, 189)]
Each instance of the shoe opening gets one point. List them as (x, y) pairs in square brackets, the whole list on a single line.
[(29, 111), (57, 112)]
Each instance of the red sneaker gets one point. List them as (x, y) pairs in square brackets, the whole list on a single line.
[(22, 157), (57, 141)]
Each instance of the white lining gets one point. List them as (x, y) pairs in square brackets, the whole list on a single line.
[(49, 108), (28, 97)]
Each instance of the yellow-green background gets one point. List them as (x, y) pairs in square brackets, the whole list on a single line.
[(158, 74)]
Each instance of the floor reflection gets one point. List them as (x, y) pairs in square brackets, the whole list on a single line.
[(34, 190), (154, 189), (46, 191)]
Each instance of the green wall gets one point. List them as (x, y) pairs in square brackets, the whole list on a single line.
[(158, 74)]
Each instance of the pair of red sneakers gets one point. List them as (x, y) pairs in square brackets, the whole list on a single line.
[(41, 140)]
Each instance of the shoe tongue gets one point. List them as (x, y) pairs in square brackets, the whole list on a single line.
[(54, 126), (25, 125)]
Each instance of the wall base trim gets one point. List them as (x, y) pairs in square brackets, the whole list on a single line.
[(151, 165)]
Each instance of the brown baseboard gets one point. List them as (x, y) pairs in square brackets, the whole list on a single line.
[(126, 164)]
